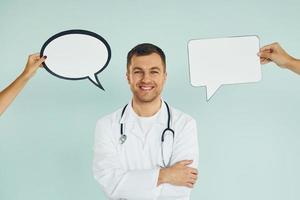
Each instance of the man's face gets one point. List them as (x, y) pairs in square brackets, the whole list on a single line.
[(146, 77)]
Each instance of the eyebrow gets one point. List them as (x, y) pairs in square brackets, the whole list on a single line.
[(156, 68), (152, 68), (137, 68)]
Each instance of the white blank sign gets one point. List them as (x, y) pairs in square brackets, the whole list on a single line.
[(218, 61), (76, 54)]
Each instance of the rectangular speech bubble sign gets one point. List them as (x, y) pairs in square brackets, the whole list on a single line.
[(218, 61)]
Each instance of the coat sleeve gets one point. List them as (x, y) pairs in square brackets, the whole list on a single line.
[(115, 181), (185, 148)]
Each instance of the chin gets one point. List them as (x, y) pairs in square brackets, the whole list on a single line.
[(146, 99)]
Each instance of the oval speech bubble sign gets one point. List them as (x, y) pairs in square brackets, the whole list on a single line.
[(76, 55)]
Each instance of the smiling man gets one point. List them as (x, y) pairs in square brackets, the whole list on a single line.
[(146, 149)]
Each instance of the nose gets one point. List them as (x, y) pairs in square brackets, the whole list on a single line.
[(146, 78)]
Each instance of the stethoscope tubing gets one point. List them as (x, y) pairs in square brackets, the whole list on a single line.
[(124, 137)]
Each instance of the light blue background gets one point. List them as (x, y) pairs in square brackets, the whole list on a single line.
[(248, 133)]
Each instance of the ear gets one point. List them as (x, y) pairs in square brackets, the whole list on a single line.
[(127, 77), (165, 76)]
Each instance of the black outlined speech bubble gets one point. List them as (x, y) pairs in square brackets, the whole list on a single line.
[(76, 54)]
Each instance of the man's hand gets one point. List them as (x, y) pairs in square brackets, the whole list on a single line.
[(179, 174), (33, 63)]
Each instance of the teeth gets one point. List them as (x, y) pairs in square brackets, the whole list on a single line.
[(146, 88)]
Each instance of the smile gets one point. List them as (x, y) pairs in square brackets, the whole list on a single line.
[(146, 88)]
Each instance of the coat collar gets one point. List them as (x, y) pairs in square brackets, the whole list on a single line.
[(129, 115)]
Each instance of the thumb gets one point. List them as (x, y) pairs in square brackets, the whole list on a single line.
[(41, 60)]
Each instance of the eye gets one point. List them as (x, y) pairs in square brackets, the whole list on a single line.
[(154, 72), (137, 72)]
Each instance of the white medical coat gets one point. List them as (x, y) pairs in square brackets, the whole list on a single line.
[(130, 170)]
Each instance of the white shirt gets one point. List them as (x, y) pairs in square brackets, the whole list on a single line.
[(130, 170), (145, 123)]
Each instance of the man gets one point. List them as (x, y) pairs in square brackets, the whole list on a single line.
[(136, 155), (275, 53), (9, 94)]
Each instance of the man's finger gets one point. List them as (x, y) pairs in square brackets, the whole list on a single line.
[(193, 181), (194, 171), (194, 176), (190, 185)]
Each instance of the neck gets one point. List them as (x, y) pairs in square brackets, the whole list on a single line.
[(146, 109)]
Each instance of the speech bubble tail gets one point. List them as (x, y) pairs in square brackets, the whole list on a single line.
[(94, 79), (210, 91)]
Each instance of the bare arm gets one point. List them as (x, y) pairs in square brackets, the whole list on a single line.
[(9, 93), (275, 53)]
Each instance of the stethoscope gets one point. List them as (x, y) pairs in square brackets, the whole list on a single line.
[(165, 134)]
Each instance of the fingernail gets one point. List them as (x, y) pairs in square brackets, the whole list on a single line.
[(45, 57)]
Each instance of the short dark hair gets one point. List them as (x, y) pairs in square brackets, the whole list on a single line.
[(145, 49)]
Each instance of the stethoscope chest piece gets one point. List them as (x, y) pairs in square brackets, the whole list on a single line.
[(123, 138)]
